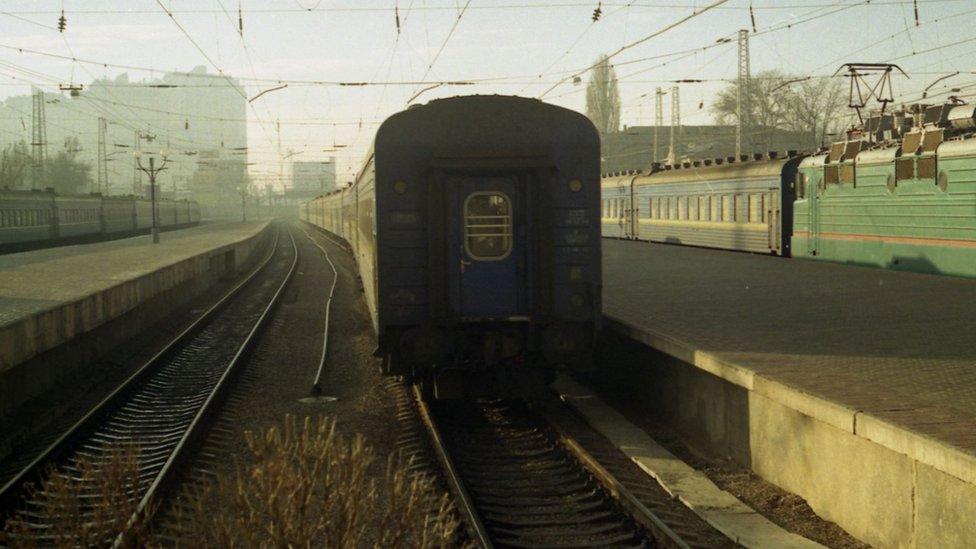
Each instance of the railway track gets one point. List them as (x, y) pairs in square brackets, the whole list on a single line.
[(159, 411), (519, 482)]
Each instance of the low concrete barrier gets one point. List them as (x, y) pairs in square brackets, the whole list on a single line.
[(885, 485), (47, 344)]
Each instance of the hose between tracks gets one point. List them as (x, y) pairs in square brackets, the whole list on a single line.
[(317, 384)]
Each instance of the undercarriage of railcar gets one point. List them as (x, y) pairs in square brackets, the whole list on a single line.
[(510, 359)]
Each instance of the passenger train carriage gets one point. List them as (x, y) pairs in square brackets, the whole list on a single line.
[(742, 205), (30, 219), (897, 194), (475, 225)]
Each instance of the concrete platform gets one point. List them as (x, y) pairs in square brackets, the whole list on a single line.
[(853, 387), (53, 296)]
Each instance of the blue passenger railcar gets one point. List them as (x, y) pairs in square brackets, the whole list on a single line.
[(476, 226)]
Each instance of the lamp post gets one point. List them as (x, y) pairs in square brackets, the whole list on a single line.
[(151, 171)]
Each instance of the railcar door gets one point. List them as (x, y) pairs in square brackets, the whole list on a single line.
[(774, 222), (633, 212), (484, 246)]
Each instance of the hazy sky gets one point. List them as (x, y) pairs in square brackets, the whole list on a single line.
[(519, 47)]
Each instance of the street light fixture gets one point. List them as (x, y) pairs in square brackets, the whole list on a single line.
[(151, 171)]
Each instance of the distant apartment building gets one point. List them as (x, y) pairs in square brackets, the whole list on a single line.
[(311, 178), (198, 118)]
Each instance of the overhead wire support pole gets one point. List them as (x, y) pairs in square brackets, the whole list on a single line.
[(102, 159), (658, 120), (742, 103), (675, 122), (38, 138), (152, 171)]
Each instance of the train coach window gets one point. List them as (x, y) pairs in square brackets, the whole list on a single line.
[(488, 226)]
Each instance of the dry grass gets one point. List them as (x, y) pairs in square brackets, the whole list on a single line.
[(76, 518), (305, 484)]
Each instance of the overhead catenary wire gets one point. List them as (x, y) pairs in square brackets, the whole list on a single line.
[(640, 41), (447, 39), (391, 8), (216, 67)]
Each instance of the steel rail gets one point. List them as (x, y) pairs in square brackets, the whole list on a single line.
[(662, 533), (6, 492), (62, 445), (193, 430), (476, 528), (317, 384)]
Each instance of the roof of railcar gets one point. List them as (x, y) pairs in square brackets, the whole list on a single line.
[(717, 172), (456, 110)]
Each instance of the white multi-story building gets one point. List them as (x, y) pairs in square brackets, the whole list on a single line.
[(187, 114), (313, 178)]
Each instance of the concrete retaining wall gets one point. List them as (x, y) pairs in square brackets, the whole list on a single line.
[(887, 487), (39, 351)]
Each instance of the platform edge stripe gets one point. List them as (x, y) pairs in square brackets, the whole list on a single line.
[(936, 454), (719, 508), (684, 351)]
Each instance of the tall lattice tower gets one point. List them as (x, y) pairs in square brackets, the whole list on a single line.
[(102, 160), (658, 120), (38, 138), (742, 106), (675, 122)]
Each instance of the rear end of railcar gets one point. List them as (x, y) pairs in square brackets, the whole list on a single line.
[(487, 231)]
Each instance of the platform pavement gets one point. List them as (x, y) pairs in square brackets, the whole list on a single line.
[(50, 296), (886, 358)]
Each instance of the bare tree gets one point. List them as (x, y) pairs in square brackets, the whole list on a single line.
[(14, 163), (785, 102), (64, 172), (603, 97), (815, 107)]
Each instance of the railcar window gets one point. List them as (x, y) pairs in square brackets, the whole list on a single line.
[(742, 208), (488, 226), (704, 208)]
